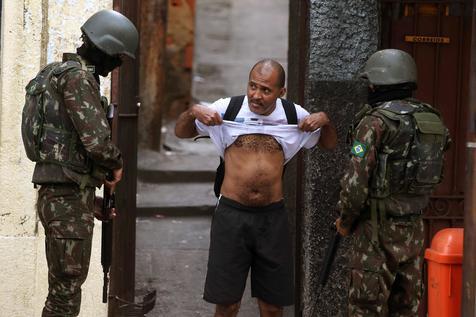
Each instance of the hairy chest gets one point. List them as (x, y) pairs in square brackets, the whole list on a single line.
[(258, 143)]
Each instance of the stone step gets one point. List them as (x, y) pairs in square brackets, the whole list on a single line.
[(172, 167), (175, 176), (175, 199)]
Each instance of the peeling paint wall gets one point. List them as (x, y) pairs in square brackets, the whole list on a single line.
[(65, 18), (33, 32)]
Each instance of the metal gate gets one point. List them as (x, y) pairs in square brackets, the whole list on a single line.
[(438, 35)]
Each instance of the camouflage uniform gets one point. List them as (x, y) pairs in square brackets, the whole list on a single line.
[(66, 197), (386, 258)]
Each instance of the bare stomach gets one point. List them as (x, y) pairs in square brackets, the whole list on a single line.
[(253, 170)]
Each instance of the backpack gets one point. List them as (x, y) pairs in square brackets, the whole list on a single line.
[(33, 117), (230, 114), (47, 136), (411, 163)]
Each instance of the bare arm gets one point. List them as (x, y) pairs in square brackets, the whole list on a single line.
[(185, 125), (328, 139)]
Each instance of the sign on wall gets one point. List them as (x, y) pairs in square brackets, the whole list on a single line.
[(427, 39)]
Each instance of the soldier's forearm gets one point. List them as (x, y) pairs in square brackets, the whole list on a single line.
[(105, 155)]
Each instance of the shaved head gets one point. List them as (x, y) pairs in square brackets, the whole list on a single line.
[(271, 64)]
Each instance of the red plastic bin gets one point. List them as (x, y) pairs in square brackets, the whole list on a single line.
[(445, 273)]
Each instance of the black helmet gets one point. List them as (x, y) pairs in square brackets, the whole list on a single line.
[(112, 33)]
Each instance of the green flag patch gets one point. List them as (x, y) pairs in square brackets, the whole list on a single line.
[(358, 149)]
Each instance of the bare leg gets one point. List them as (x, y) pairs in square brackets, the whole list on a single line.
[(269, 310), (227, 310)]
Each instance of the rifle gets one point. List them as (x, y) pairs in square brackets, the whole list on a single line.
[(329, 259), (109, 201), (326, 265)]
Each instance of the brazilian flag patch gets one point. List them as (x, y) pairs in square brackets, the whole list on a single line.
[(358, 149)]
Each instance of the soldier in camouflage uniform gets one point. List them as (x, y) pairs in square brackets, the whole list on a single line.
[(68, 174), (396, 162)]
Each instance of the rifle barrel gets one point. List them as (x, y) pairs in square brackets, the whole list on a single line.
[(104, 287), (329, 259)]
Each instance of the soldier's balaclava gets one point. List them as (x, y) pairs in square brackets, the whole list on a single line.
[(390, 92), (102, 62)]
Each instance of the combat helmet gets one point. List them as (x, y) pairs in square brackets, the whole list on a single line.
[(390, 67), (112, 33)]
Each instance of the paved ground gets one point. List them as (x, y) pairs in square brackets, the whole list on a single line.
[(172, 257)]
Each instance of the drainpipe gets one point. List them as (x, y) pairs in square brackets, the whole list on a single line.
[(469, 259)]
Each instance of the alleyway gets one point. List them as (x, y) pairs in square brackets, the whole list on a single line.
[(175, 187)]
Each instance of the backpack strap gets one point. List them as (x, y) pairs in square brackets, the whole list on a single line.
[(290, 110), (230, 114), (237, 101), (233, 107)]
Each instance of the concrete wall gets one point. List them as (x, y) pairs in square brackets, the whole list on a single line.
[(32, 33), (343, 34), (230, 37)]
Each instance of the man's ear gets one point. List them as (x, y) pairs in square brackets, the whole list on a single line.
[(282, 92)]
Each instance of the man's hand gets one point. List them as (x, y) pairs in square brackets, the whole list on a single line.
[(206, 115), (314, 121), (342, 231), (116, 178), (98, 202)]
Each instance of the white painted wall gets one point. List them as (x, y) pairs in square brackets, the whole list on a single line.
[(33, 32)]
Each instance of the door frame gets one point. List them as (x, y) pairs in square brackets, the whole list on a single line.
[(124, 93)]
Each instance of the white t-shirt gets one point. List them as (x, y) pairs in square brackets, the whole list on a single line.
[(289, 136)]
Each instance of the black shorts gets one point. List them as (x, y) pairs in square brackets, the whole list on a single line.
[(250, 237)]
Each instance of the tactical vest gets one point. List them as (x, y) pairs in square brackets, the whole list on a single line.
[(47, 131), (410, 158)]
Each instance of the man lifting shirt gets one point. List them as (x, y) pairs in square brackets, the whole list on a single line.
[(289, 136), (250, 227)]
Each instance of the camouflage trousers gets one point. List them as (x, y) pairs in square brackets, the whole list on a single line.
[(386, 276), (66, 213)]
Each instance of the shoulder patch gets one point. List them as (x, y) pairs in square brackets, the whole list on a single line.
[(358, 149)]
